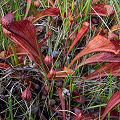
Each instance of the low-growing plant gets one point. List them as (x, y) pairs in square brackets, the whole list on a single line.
[(102, 52)]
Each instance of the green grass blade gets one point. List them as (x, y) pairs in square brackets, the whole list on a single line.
[(15, 55), (110, 93), (7, 118), (10, 106), (87, 10)]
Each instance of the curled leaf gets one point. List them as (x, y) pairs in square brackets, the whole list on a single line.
[(100, 57), (80, 116), (114, 100), (9, 52), (64, 73), (113, 114), (102, 10), (111, 69), (23, 33), (98, 44), (47, 12), (81, 32)]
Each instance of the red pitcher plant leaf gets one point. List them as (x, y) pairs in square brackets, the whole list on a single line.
[(47, 12), (117, 45), (114, 100), (9, 52), (80, 116), (113, 114), (28, 7), (100, 57), (23, 33), (64, 73), (19, 51), (59, 91), (98, 44), (81, 32), (112, 69), (102, 10), (71, 20)]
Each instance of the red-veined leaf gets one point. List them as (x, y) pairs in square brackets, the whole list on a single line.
[(47, 12), (114, 100), (64, 73), (24, 34), (80, 116), (110, 9), (27, 9), (102, 10), (100, 57), (98, 44), (81, 32), (112, 69), (59, 91), (9, 52), (19, 51), (113, 114)]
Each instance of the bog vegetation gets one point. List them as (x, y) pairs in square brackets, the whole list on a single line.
[(60, 60)]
